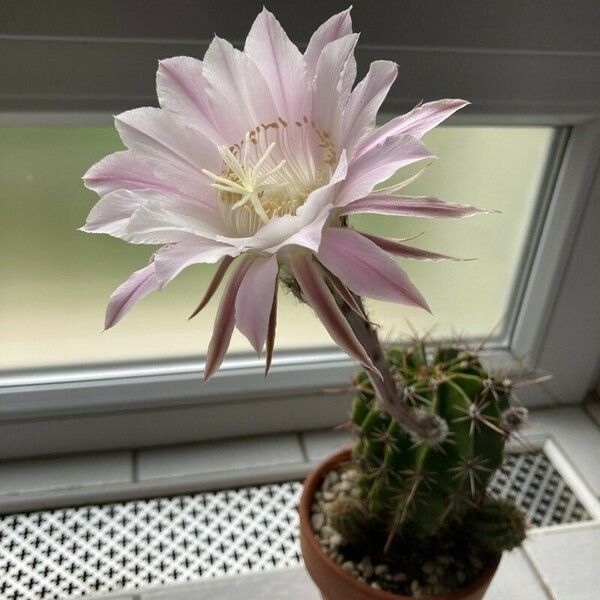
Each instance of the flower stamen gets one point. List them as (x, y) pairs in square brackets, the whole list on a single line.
[(244, 179)]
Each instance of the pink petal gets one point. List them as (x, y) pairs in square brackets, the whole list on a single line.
[(317, 294), (281, 64), (365, 100), (255, 299), (167, 136), (139, 285), (304, 228), (336, 71), (171, 260), (165, 219), (365, 269), (378, 164), (334, 28), (112, 213), (345, 294), (121, 170), (417, 122), (126, 170), (214, 284), (237, 90), (271, 333), (181, 88), (224, 322), (399, 249), (411, 206)]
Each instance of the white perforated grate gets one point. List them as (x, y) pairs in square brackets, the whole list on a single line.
[(534, 484), (95, 550)]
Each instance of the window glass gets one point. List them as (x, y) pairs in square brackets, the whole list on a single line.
[(55, 280)]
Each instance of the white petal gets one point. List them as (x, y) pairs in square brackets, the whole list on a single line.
[(112, 213), (129, 171), (170, 261), (365, 100), (379, 163), (255, 299), (417, 122), (166, 219), (139, 285), (281, 64), (167, 136), (237, 90), (181, 88), (336, 71), (334, 28)]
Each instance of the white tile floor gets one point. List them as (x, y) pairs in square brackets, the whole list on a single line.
[(556, 565)]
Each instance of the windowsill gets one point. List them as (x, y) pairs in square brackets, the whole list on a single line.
[(34, 484)]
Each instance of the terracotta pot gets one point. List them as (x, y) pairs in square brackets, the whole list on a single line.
[(337, 584)]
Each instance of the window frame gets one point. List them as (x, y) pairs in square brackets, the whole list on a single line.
[(162, 402)]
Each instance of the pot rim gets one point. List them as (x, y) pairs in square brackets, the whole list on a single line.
[(311, 483)]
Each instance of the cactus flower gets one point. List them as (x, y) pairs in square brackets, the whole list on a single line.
[(253, 160)]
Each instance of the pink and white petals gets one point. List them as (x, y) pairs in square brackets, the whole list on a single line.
[(333, 29), (128, 171), (238, 89), (272, 326), (366, 269), (336, 71), (378, 164), (121, 170), (281, 64), (399, 248), (257, 156), (316, 293), (225, 321), (166, 219), (411, 206), (365, 100), (255, 299), (112, 213), (213, 285), (167, 136), (181, 88), (346, 295), (139, 285), (171, 260), (416, 123)]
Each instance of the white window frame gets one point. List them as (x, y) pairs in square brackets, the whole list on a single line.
[(557, 325)]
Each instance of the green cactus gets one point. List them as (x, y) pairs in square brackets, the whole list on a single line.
[(349, 517), (495, 525), (416, 487)]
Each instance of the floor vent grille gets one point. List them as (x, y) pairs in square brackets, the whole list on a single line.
[(135, 545)]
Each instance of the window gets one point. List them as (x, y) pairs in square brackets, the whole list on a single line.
[(528, 146), (55, 280)]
